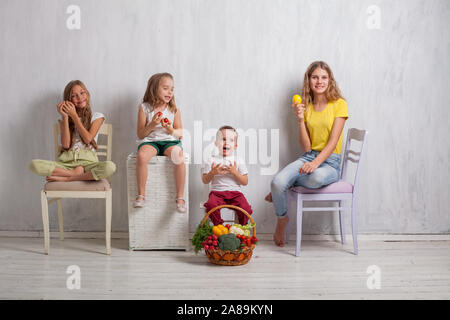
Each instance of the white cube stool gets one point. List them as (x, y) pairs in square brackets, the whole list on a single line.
[(158, 225)]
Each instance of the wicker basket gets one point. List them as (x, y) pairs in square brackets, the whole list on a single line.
[(230, 258)]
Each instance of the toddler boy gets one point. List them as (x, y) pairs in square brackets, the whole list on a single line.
[(227, 174)]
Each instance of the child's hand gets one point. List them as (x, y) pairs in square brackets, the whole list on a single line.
[(60, 111), (156, 118), (299, 111), (233, 169), (69, 108), (217, 169), (167, 125)]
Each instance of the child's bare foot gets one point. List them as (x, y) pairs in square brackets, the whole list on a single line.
[(279, 237), (77, 171), (268, 198), (57, 178)]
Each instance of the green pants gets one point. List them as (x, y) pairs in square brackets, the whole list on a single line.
[(71, 159)]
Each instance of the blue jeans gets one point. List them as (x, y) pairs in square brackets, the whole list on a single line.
[(326, 173)]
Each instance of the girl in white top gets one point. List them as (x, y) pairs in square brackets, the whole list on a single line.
[(79, 131), (159, 130)]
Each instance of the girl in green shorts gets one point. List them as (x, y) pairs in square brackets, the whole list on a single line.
[(79, 130), (159, 130)]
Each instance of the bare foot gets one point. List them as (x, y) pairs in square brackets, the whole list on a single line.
[(268, 198), (57, 178), (279, 237), (77, 171)]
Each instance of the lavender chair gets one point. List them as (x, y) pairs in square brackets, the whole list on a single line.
[(338, 191)]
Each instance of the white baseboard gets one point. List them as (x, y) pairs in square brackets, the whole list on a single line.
[(261, 236)]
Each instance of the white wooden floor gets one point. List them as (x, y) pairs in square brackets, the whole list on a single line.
[(326, 270)]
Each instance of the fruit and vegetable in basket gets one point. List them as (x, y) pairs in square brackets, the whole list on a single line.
[(247, 241), (219, 230), (229, 242), (210, 243), (201, 234), (242, 230), (217, 237)]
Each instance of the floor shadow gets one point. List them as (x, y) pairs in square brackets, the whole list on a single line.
[(18, 249)]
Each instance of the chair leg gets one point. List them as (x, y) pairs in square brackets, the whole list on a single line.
[(289, 214), (342, 223), (60, 220), (299, 224), (108, 221), (45, 222), (355, 225)]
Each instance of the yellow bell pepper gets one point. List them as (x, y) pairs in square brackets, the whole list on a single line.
[(223, 228), (217, 231)]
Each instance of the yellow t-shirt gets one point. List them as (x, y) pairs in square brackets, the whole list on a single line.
[(319, 124)]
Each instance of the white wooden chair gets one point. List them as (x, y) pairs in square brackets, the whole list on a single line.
[(78, 189)]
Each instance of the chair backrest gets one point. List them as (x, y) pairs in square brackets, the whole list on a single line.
[(103, 150), (354, 156)]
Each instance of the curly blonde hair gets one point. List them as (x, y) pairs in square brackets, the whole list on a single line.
[(151, 93), (333, 93)]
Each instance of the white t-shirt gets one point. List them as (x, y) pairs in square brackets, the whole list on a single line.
[(225, 182), (159, 133), (78, 143)]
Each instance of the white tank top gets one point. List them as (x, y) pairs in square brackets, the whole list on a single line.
[(78, 143), (159, 133)]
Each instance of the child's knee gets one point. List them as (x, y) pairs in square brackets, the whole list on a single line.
[(210, 204), (110, 168), (33, 166), (39, 167), (246, 206), (177, 156), (143, 155)]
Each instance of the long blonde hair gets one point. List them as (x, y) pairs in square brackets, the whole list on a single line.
[(86, 115), (151, 93), (333, 93)]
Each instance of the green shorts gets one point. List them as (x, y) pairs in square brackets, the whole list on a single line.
[(161, 146)]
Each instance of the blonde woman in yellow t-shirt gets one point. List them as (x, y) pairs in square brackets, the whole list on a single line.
[(321, 119)]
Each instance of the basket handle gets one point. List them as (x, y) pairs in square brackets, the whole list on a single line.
[(231, 207)]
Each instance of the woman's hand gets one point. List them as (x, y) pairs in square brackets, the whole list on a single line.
[(299, 111), (60, 110), (308, 167), (69, 108)]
